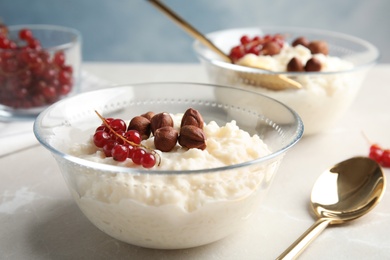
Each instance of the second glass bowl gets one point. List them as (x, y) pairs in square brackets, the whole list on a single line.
[(324, 97)]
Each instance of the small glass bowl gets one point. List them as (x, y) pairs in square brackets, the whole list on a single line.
[(32, 78), (168, 209), (324, 97)]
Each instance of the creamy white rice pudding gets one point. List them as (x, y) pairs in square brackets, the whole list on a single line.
[(325, 95), (179, 209)]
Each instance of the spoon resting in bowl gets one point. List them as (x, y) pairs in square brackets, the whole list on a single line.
[(345, 192), (267, 80)]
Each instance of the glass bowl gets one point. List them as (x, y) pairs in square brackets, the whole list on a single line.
[(325, 95), (37, 71), (168, 209)]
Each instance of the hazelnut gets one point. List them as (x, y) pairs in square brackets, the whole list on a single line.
[(140, 124), (270, 48), (301, 41), (192, 137), (165, 138), (318, 47), (160, 120), (192, 117), (295, 65), (148, 115), (313, 64)]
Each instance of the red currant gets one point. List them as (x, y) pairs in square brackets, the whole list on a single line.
[(64, 89), (245, 39), (131, 151), (375, 152), (148, 160), (107, 148), (116, 135), (38, 100), (34, 44), (380, 155), (255, 49), (68, 69), (101, 128), (49, 92), (50, 74), (26, 34), (118, 124), (133, 136), (4, 42), (59, 59), (65, 77), (119, 152), (138, 154), (268, 37), (256, 39), (12, 45), (237, 53), (100, 138), (385, 160)]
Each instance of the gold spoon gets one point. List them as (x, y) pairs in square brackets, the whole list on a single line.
[(270, 81), (345, 192)]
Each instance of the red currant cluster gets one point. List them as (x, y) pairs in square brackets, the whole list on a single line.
[(267, 45), (380, 155), (118, 142), (29, 75)]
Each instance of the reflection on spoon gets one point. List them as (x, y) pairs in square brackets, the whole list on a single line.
[(345, 192)]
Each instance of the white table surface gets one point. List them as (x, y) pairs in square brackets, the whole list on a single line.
[(39, 220)]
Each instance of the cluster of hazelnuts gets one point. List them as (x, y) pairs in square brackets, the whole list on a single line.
[(313, 64), (161, 126)]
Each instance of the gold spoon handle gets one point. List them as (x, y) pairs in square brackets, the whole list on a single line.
[(189, 29), (304, 240)]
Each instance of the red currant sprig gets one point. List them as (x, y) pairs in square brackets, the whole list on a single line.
[(120, 144)]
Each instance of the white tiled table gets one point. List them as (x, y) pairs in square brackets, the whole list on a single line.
[(39, 220)]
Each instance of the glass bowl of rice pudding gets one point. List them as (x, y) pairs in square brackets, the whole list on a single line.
[(192, 197), (326, 87)]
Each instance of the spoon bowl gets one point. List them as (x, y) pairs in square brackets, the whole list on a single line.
[(345, 192)]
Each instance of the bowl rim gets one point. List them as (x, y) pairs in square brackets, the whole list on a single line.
[(198, 47), (76, 34), (121, 169)]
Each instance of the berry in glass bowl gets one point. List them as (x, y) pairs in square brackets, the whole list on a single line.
[(39, 65)]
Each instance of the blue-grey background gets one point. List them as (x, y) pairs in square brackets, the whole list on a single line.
[(134, 31)]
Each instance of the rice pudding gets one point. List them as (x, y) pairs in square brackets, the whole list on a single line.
[(327, 91), (173, 208)]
